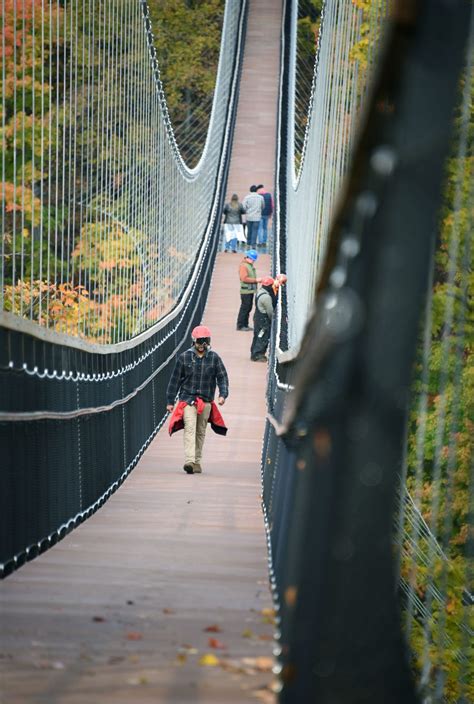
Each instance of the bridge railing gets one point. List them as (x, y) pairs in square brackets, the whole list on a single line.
[(356, 402), (101, 216)]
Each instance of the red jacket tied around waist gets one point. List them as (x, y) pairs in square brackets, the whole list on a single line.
[(215, 417)]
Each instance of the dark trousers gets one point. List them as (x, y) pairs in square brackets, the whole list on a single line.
[(261, 335), (245, 308)]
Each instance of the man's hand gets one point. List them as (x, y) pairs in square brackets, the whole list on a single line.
[(221, 400), (170, 407)]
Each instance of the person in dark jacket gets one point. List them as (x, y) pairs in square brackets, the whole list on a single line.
[(196, 374), (233, 227), (265, 303), (266, 213)]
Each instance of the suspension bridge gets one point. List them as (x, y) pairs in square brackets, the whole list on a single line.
[(325, 552)]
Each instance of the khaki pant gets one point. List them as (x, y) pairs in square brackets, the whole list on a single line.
[(195, 426)]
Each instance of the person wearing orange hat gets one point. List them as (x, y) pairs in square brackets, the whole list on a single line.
[(265, 303), (197, 373), (280, 280)]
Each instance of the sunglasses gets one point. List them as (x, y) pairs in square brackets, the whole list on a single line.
[(202, 341)]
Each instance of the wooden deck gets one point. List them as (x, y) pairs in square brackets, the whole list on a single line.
[(253, 154), (118, 611)]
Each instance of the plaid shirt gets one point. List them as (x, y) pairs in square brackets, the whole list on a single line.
[(197, 376)]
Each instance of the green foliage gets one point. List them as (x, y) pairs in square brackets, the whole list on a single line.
[(364, 50), (450, 363), (46, 231), (309, 22), (187, 38)]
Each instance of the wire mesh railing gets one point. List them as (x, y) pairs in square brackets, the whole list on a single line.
[(322, 120), (188, 62), (101, 216)]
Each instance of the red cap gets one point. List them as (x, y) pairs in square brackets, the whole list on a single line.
[(267, 281), (200, 331)]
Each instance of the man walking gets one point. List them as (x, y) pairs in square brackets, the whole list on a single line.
[(248, 287), (197, 372), (253, 204), (266, 212)]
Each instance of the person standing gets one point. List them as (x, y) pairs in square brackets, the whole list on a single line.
[(196, 374), (254, 205), (265, 303), (248, 286), (266, 213), (233, 228)]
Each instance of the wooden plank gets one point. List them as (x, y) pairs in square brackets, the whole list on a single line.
[(253, 155)]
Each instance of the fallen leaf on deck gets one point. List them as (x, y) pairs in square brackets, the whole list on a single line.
[(169, 611), (209, 660), (217, 644), (50, 665), (265, 636), (269, 619), (264, 695), (189, 649), (134, 635), (261, 663), (114, 659), (138, 680), (212, 629), (236, 667), (275, 686), (181, 658), (98, 619), (247, 633), (268, 612)]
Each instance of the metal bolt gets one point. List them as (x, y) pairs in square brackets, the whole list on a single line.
[(350, 246), (366, 204), (338, 277), (383, 160)]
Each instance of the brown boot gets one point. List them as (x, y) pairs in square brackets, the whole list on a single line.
[(197, 468)]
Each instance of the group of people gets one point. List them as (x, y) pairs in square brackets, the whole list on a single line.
[(257, 207), (199, 370)]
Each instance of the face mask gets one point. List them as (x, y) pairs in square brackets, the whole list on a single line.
[(202, 342)]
